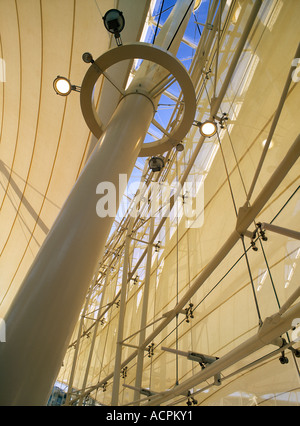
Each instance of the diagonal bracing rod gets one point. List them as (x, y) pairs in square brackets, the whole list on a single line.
[(245, 219)]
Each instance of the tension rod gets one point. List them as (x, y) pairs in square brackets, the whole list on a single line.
[(279, 230)]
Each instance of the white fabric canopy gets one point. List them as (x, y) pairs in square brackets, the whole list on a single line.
[(45, 143)]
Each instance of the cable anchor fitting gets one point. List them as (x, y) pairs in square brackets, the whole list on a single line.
[(189, 313), (191, 400), (124, 372), (150, 349)]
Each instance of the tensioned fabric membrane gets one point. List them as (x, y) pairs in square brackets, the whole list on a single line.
[(45, 143), (44, 138)]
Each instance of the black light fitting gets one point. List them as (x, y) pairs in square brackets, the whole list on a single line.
[(114, 22), (156, 164)]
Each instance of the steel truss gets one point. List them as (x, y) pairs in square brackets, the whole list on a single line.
[(143, 235)]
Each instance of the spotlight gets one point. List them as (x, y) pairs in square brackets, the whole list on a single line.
[(179, 147), (208, 128), (156, 164), (114, 22), (87, 58), (63, 86)]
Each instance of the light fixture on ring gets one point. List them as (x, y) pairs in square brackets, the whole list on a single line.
[(114, 22), (208, 128), (156, 164), (63, 86)]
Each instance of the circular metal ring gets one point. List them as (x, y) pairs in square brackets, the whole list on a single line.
[(151, 53)]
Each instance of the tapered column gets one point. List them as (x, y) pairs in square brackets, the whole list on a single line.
[(43, 315), (118, 360), (95, 332), (141, 352)]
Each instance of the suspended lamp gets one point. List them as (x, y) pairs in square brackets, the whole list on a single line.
[(114, 22), (63, 86), (156, 164), (208, 128)]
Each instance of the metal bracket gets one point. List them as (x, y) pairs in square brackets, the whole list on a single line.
[(202, 359), (150, 350), (189, 313), (240, 223)]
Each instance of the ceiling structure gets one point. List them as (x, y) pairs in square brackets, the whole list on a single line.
[(172, 305), (44, 139)]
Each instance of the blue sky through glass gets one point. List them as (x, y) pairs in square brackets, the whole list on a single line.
[(166, 104), (185, 54)]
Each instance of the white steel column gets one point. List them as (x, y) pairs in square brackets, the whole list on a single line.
[(141, 352), (97, 320), (118, 360), (76, 351), (46, 309)]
